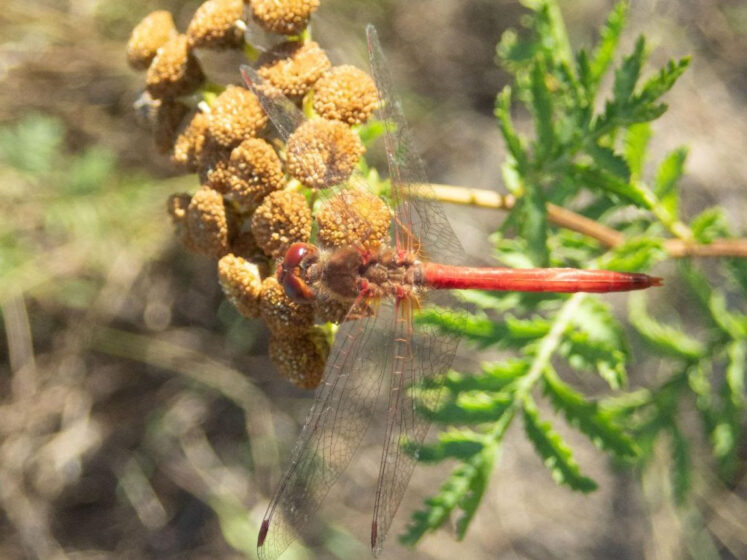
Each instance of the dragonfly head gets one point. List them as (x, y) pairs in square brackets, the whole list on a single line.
[(291, 273)]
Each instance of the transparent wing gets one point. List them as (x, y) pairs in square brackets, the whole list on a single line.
[(282, 112), (421, 223), (420, 352), (342, 410)]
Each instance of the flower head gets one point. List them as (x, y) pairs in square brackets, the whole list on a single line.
[(282, 219), (176, 206), (174, 71), (300, 359), (189, 144), (293, 67), (148, 36), (254, 171), (353, 217), (168, 117), (284, 17), (323, 153), (207, 223), (345, 93), (212, 168), (213, 25), (241, 283), (235, 115), (283, 316)]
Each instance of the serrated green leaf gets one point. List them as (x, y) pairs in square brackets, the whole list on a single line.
[(542, 109), (709, 225), (583, 353), (666, 339), (668, 174), (555, 453), (506, 125), (589, 418), (608, 160), (627, 75), (638, 254), (729, 429), (609, 39), (662, 82), (463, 490), (681, 466), (474, 327), (469, 408), (636, 145), (598, 179), (451, 444), (533, 224)]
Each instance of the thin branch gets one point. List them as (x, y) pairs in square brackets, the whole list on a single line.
[(562, 217)]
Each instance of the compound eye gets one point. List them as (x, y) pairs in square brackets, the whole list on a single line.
[(290, 273), (296, 253)]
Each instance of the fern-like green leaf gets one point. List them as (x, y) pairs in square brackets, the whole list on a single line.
[(635, 254), (609, 39), (462, 491), (542, 109), (668, 175), (555, 453), (665, 338), (627, 75), (636, 144), (589, 418), (681, 465)]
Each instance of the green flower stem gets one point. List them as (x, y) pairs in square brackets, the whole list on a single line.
[(548, 345)]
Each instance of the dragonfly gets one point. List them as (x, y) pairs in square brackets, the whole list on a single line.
[(394, 281)]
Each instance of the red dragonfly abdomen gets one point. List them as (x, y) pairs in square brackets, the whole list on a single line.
[(446, 277)]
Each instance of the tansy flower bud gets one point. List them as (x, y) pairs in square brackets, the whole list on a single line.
[(176, 206), (214, 25), (148, 36), (212, 169), (323, 153), (284, 17), (345, 93), (293, 67), (169, 115), (174, 71), (282, 219), (254, 171), (283, 316), (190, 143), (207, 224), (299, 359), (241, 283), (236, 115), (353, 217)]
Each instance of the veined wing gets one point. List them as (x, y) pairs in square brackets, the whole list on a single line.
[(421, 222), (420, 352), (342, 410)]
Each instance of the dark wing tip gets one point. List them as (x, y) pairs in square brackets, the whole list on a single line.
[(263, 532)]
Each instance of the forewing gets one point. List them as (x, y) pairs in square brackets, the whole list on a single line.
[(420, 351), (421, 223), (282, 112), (342, 410)]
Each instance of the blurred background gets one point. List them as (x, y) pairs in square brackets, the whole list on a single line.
[(139, 414)]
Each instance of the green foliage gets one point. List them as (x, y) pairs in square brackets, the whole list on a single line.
[(595, 160), (91, 213)]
